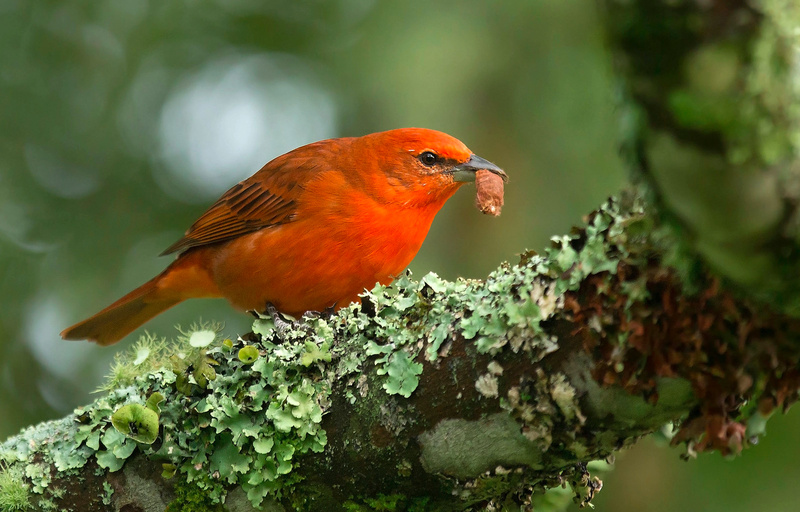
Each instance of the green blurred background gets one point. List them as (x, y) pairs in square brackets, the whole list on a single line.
[(121, 120)]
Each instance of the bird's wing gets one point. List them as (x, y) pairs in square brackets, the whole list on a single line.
[(268, 198)]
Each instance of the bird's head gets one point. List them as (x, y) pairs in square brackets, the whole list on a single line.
[(424, 165)]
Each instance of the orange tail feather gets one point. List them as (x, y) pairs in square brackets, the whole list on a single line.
[(122, 317), (183, 279)]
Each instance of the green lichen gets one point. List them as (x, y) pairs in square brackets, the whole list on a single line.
[(256, 417), (402, 371), (248, 354), (245, 423), (38, 474), (136, 422), (168, 470), (47, 505), (108, 493), (153, 402), (410, 319), (315, 353), (118, 448), (463, 448), (191, 368)]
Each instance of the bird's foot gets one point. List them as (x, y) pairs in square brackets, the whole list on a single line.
[(326, 314), (284, 323)]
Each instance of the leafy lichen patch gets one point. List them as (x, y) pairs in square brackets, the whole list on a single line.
[(137, 422), (401, 322), (243, 424)]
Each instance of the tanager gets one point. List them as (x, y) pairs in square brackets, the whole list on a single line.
[(311, 230)]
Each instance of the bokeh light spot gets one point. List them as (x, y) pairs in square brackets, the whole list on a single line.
[(44, 319), (57, 176), (223, 123)]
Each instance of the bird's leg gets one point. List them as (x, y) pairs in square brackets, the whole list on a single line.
[(281, 324), (284, 324)]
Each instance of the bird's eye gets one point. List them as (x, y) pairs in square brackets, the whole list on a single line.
[(428, 158)]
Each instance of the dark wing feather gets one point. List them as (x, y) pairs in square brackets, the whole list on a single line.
[(268, 198)]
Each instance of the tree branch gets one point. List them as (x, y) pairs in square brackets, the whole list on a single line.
[(485, 391)]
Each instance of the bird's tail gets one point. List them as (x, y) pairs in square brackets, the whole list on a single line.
[(122, 317)]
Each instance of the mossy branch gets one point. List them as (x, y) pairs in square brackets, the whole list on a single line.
[(434, 394)]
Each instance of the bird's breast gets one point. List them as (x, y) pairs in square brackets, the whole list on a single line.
[(329, 255)]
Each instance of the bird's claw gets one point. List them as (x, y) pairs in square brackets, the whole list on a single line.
[(326, 314), (284, 324)]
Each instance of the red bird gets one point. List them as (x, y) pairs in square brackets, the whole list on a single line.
[(311, 230)]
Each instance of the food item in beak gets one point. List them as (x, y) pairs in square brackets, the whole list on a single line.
[(489, 192)]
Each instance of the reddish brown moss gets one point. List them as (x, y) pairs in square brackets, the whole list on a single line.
[(733, 352)]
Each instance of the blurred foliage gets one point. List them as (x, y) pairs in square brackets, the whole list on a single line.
[(123, 119)]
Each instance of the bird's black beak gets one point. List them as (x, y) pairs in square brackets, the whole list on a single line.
[(466, 172)]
